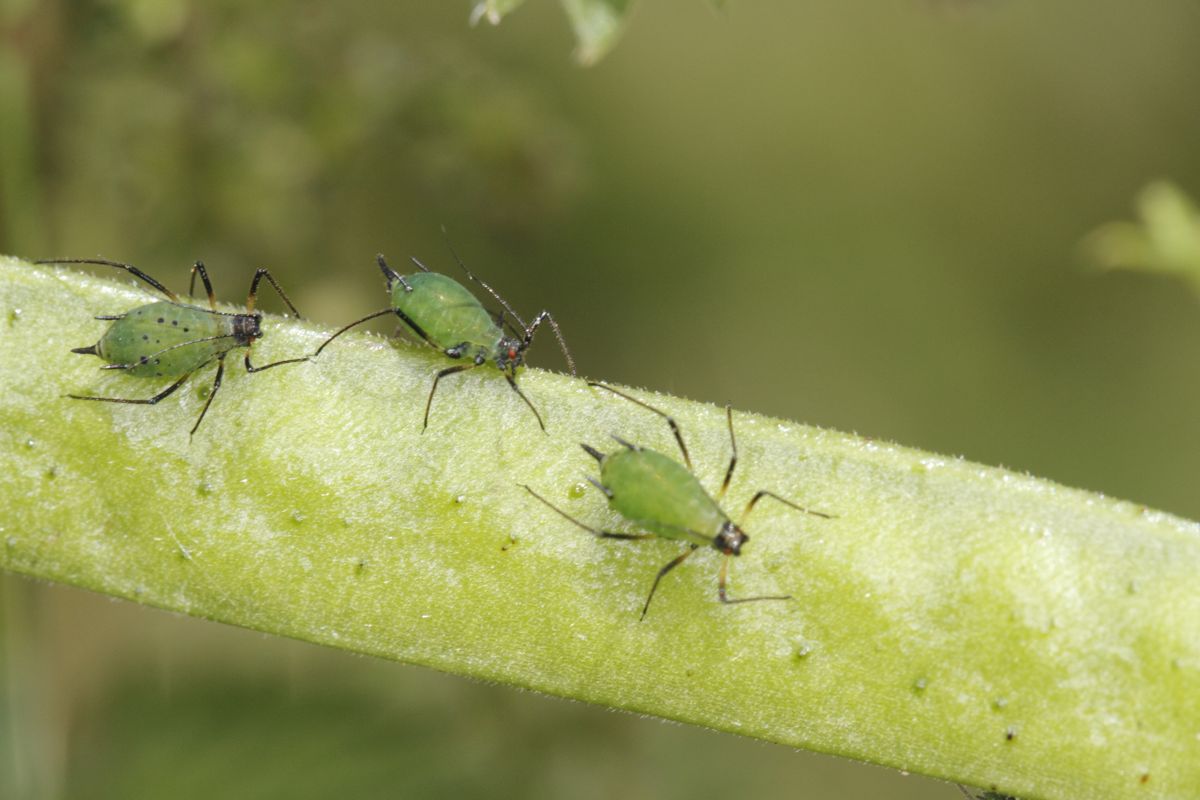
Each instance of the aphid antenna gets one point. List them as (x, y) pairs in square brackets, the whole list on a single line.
[(476, 279), (343, 329), (137, 273)]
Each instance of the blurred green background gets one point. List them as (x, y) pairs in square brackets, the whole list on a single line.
[(860, 215)]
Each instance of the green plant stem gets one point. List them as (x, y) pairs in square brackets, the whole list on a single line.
[(955, 620)]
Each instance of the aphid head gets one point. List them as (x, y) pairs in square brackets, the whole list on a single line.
[(510, 354), (730, 539), (247, 327)]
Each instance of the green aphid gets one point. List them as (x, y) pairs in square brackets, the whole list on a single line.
[(170, 339), (449, 318), (665, 499)]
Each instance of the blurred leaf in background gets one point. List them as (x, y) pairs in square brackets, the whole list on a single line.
[(1166, 240), (597, 23)]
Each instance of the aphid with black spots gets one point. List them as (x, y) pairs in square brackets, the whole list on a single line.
[(172, 339)]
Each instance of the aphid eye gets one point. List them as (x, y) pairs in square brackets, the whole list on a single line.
[(512, 353)]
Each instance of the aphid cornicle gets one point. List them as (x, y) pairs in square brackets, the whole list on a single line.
[(170, 339), (665, 499), (447, 317)]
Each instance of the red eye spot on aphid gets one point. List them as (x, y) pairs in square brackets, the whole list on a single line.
[(512, 353)]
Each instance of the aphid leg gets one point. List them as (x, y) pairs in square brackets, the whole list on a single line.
[(251, 368), (211, 394), (433, 389), (147, 402), (416, 329), (420, 266), (725, 598), (733, 457), (367, 318), (513, 383), (137, 273), (544, 316), (109, 317), (597, 532), (212, 297), (672, 564), (764, 493), (252, 297), (687, 459)]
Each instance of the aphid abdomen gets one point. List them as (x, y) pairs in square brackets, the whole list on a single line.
[(166, 339), (661, 495), (446, 312)]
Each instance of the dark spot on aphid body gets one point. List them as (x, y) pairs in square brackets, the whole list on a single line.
[(160, 320), (145, 337), (175, 322)]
